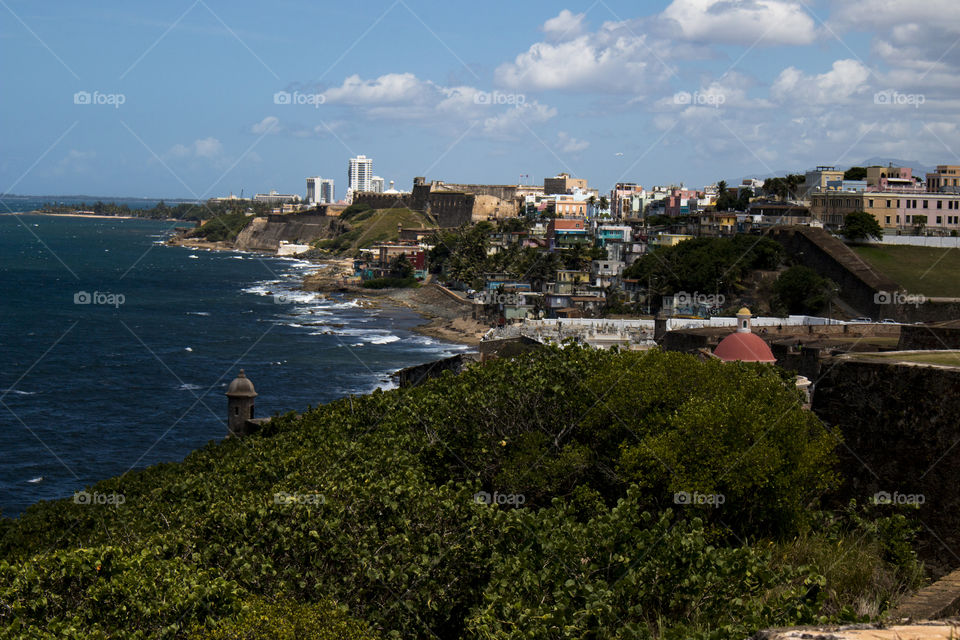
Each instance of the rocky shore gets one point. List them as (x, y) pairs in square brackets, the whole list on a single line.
[(448, 319)]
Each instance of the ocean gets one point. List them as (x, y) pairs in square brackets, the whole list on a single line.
[(116, 350)]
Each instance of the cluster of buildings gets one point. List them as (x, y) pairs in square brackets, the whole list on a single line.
[(898, 200)]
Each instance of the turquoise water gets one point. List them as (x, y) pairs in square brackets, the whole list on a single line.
[(137, 376)]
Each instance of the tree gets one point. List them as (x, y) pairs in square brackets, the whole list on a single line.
[(592, 203), (726, 201), (604, 204), (400, 267), (920, 221), (743, 201), (860, 225), (800, 289), (855, 173)]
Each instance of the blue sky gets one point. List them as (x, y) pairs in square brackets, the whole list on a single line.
[(665, 92)]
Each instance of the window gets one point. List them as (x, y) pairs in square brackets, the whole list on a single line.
[(888, 204), (939, 204), (888, 220), (938, 220), (906, 219), (925, 204), (871, 203)]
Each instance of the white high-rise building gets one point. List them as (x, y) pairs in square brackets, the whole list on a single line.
[(376, 184), (313, 190), (319, 190), (360, 174), (327, 195)]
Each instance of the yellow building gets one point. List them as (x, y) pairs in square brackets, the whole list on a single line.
[(891, 209), (669, 239), (946, 175)]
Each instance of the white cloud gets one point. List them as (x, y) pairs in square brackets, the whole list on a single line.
[(612, 58), (208, 147), (886, 14), (392, 87), (270, 124), (768, 22), (406, 98), (568, 144), (518, 120), (846, 79), (564, 26)]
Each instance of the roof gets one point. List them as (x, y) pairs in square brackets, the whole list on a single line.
[(746, 347), (567, 224), (241, 387)]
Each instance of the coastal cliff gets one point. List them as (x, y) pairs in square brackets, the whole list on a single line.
[(266, 233)]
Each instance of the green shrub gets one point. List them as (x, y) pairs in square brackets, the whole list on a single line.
[(285, 619), (109, 592)]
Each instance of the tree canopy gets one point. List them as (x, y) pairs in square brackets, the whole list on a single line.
[(519, 499), (860, 225), (705, 265)]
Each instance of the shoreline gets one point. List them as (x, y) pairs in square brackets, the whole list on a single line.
[(95, 216), (443, 319)]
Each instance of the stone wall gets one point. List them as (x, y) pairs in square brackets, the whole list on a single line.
[(859, 283), (924, 337), (901, 437)]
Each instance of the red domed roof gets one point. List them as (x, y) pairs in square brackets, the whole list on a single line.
[(747, 347)]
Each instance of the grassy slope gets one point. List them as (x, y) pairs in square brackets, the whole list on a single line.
[(378, 225), (927, 270)]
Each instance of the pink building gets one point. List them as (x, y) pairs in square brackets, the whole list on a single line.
[(680, 202)]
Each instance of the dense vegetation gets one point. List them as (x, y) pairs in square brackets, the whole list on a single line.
[(182, 211), (569, 493), (802, 290), (705, 265), (463, 255), (224, 227)]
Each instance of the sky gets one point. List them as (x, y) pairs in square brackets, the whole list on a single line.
[(202, 98)]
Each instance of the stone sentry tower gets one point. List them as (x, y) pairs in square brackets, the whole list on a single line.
[(240, 395)]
